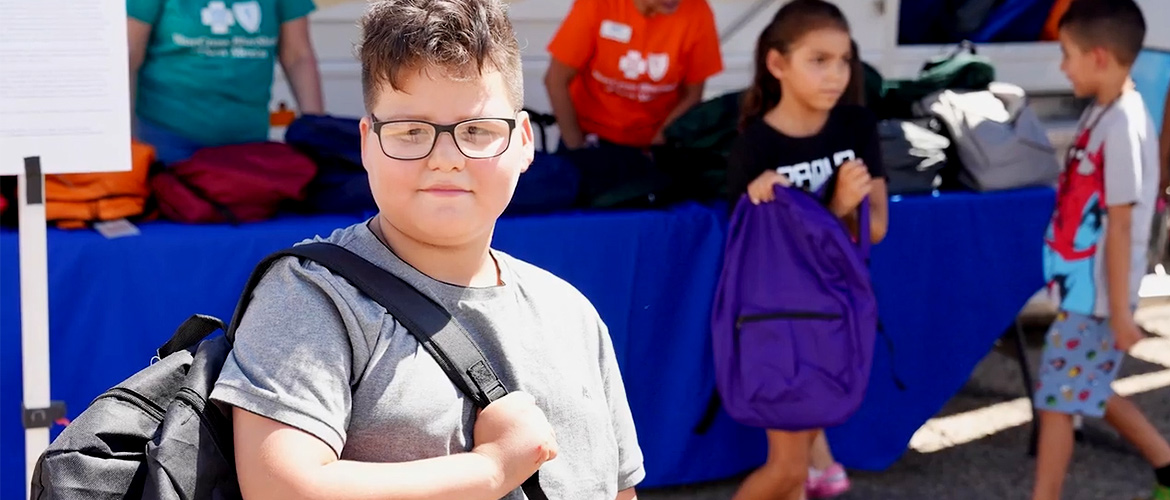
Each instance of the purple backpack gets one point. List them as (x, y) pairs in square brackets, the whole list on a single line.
[(795, 317)]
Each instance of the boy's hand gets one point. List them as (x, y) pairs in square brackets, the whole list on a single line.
[(1125, 332), (516, 435), (853, 185), (761, 191)]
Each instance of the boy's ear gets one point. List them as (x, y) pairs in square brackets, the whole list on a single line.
[(1101, 57), (364, 130), (527, 139)]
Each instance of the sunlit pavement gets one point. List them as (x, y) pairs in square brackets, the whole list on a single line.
[(975, 448)]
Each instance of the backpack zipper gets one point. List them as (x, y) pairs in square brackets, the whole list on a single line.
[(199, 404), (751, 318), (138, 400)]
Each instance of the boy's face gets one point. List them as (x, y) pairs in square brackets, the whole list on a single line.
[(444, 198), (1082, 67)]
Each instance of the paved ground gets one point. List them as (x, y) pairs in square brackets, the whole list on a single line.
[(992, 424)]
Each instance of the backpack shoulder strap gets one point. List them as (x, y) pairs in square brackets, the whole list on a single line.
[(432, 325), (434, 328)]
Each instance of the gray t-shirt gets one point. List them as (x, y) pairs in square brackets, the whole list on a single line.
[(1118, 162), (314, 353)]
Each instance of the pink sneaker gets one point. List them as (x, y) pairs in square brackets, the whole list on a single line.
[(828, 483)]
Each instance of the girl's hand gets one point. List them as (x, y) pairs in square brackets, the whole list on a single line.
[(761, 191), (853, 185)]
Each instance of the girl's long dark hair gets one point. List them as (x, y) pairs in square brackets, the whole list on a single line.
[(793, 21), (855, 92)]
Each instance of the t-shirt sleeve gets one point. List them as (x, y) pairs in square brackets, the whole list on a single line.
[(631, 470), (705, 57), (576, 39), (1123, 163), (292, 360), (291, 10), (871, 146), (146, 11)]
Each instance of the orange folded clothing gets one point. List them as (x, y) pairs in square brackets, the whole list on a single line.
[(76, 200)]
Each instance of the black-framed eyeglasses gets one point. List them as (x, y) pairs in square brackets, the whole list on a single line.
[(476, 138)]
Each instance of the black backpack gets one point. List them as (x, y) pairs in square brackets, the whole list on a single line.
[(156, 436)]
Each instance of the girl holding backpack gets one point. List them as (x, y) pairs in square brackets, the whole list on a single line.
[(795, 131)]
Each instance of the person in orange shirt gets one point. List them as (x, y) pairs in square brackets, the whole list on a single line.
[(622, 70)]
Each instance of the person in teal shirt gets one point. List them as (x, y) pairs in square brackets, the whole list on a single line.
[(201, 71)]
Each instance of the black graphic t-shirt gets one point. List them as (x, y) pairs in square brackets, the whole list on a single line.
[(809, 162)]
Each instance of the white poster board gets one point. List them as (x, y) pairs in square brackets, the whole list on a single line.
[(64, 108), (64, 85)]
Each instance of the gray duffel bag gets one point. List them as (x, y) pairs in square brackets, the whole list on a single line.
[(998, 139)]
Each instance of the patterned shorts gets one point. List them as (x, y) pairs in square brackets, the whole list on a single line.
[(1079, 364)]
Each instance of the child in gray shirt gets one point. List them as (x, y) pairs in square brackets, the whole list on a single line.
[(333, 398)]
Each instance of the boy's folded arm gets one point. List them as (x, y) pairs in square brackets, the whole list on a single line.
[(277, 461), (289, 381)]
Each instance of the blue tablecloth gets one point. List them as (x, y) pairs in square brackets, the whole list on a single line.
[(950, 277)]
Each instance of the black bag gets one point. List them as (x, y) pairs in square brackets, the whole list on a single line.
[(156, 436), (698, 144), (914, 156), (551, 183), (334, 143), (617, 177)]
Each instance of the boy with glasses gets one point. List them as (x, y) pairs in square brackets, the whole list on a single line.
[(334, 399)]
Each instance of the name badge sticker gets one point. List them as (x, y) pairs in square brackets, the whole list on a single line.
[(616, 31)]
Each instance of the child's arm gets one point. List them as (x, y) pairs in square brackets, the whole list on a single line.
[(276, 461), (629, 494), (853, 185), (1118, 248), (860, 178), (871, 154), (879, 210), (279, 462), (1122, 155)]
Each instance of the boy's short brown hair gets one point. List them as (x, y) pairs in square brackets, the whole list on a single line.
[(461, 37), (1115, 25)]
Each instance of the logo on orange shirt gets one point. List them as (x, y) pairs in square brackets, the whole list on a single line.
[(633, 65)]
